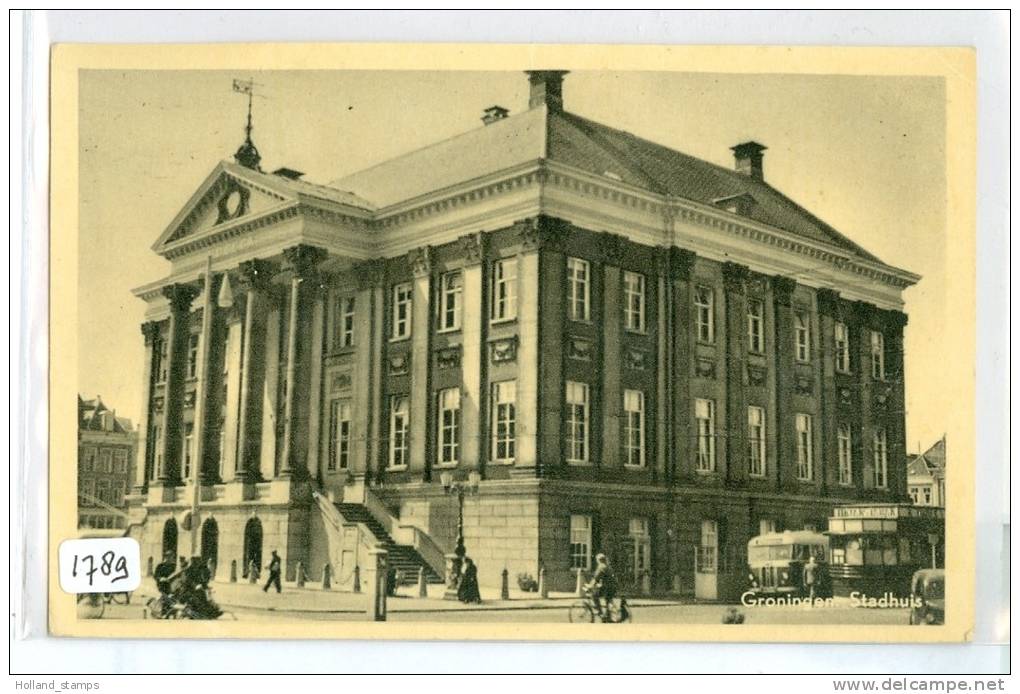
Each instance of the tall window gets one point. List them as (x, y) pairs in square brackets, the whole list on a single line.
[(106, 461), (117, 491), (398, 432), (756, 441), (187, 452), (160, 367), (577, 422), (708, 552), (103, 490), (504, 421), (805, 455), (157, 452), (402, 311), (877, 355), (449, 426), (193, 339), (339, 435), (756, 325), (842, 335), (504, 289), (580, 542), (88, 459), (845, 451), (579, 289), (344, 322), (641, 540), (881, 459), (704, 304), (802, 333), (88, 490), (450, 288), (634, 427), (120, 457), (704, 414), (634, 301)]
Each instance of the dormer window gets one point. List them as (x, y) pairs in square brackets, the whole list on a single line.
[(741, 204)]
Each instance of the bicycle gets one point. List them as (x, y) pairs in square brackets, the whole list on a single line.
[(584, 612)]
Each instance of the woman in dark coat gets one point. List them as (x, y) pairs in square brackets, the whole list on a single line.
[(467, 591)]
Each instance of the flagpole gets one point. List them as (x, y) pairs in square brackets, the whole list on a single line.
[(200, 409)]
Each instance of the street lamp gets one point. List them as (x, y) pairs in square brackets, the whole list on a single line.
[(456, 560)]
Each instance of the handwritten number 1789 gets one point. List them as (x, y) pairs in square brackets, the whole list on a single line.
[(109, 565)]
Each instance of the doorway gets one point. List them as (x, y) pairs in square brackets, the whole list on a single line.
[(170, 539), (706, 575), (252, 546), (210, 542)]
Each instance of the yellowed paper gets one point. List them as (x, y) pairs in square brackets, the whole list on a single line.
[(564, 338)]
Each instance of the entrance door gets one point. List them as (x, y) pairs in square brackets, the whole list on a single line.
[(170, 539), (210, 542), (706, 574), (252, 546)]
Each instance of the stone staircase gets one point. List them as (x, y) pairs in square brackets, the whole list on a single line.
[(406, 560)]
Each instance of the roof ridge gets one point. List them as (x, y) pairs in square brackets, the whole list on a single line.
[(622, 157)]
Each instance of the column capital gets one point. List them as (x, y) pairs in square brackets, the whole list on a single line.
[(303, 259), (828, 299), (180, 296), (734, 275), (369, 273), (256, 273), (543, 231), (865, 313), (150, 329), (681, 263), (472, 247), (783, 288), (420, 260)]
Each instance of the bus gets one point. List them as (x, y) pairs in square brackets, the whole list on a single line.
[(776, 561)]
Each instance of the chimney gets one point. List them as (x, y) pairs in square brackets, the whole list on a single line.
[(493, 114), (546, 88), (748, 159)]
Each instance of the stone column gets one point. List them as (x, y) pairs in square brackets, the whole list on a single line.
[(368, 351), (544, 237), (316, 334), (180, 297), (528, 297), (255, 277), (684, 453), (141, 478), (735, 425), (270, 395), (864, 472), (232, 465), (612, 322), (664, 445), (474, 318), (825, 355), (786, 439), (302, 261), (895, 322), (421, 329)]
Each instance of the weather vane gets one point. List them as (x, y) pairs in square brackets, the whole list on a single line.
[(247, 154)]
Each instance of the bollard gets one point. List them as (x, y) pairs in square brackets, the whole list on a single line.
[(148, 567), (299, 575), (253, 572), (327, 577), (233, 571), (646, 583), (543, 589), (579, 590), (677, 585), (357, 579), (423, 591), (378, 585), (504, 591)]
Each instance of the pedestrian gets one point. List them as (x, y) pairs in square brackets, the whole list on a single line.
[(810, 577), (274, 573), (467, 590)]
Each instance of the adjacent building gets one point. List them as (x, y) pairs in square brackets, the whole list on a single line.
[(638, 352), (926, 476), (106, 461)]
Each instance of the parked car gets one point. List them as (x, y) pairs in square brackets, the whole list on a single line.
[(928, 591)]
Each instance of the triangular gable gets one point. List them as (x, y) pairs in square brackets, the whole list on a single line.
[(230, 192)]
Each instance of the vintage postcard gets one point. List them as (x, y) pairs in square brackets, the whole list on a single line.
[(513, 342)]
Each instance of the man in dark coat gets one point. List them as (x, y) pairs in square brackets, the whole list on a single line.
[(274, 573), (467, 591)]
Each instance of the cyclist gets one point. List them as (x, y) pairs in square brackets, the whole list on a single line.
[(602, 586)]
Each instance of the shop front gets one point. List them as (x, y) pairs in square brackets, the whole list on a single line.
[(876, 548)]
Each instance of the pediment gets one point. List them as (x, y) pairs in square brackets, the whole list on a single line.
[(228, 194)]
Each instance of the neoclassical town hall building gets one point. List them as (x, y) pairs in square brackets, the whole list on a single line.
[(624, 348)]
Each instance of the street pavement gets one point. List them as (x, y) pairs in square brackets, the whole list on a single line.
[(244, 602)]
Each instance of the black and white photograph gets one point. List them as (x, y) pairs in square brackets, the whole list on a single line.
[(605, 349)]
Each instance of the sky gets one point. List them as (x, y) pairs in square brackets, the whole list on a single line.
[(865, 154)]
